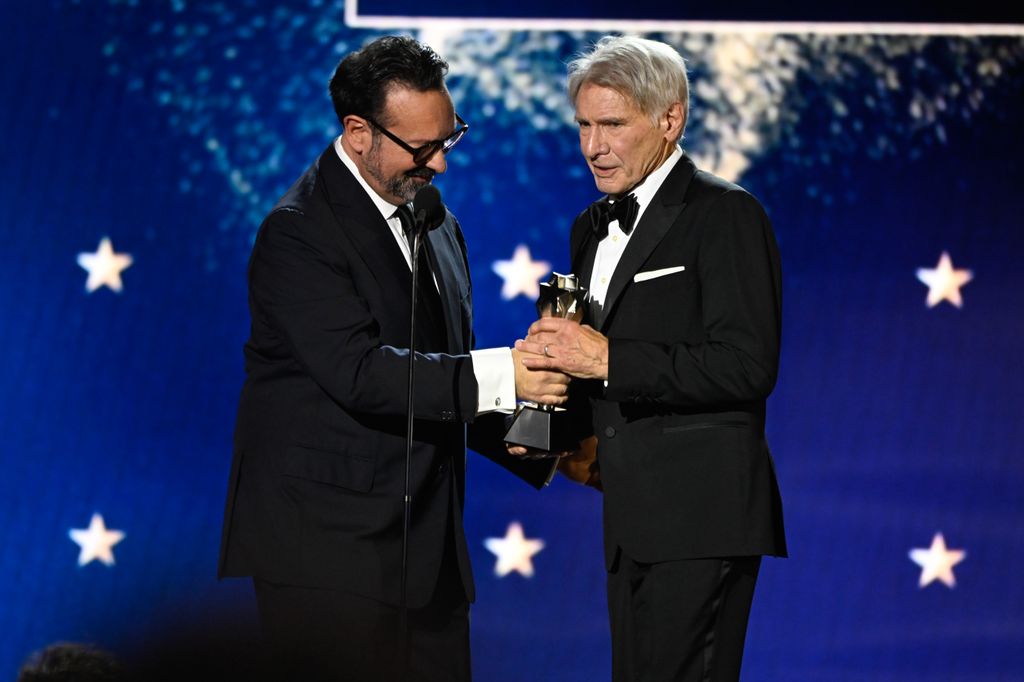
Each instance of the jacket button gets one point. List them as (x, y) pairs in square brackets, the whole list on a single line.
[(609, 431), (442, 468)]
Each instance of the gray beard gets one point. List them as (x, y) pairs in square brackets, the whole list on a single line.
[(403, 185)]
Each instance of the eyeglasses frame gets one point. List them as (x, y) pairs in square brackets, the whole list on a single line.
[(422, 154)]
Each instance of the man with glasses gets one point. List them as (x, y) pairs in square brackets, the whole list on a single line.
[(315, 501)]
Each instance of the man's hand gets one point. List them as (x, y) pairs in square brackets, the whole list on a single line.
[(581, 466), (563, 345), (578, 465), (532, 453), (538, 385)]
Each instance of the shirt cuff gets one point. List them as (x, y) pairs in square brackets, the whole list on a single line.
[(495, 380)]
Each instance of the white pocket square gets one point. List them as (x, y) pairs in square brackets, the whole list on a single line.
[(653, 274)]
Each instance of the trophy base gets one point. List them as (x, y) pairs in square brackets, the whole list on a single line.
[(541, 429)]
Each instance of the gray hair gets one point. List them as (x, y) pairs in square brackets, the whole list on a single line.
[(649, 72)]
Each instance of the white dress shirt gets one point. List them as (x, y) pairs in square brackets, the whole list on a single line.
[(492, 367), (611, 248)]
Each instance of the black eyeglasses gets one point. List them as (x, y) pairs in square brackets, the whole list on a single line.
[(421, 155)]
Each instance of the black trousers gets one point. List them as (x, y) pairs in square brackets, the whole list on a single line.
[(323, 634), (680, 621)]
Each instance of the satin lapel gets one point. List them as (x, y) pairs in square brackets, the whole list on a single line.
[(446, 262), (583, 262), (584, 251), (362, 222), (657, 220)]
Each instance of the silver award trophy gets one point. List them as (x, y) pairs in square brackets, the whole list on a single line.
[(545, 427)]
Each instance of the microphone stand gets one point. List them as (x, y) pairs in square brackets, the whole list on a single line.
[(427, 208), (403, 611)]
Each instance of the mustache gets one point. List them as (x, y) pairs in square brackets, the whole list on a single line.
[(425, 173)]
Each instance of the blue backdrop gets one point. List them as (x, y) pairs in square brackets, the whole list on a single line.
[(170, 128)]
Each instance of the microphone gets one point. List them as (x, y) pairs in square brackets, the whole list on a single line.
[(427, 209)]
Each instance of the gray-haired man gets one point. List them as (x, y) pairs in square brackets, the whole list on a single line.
[(677, 356)]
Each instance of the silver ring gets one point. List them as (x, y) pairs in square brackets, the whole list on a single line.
[(546, 353)]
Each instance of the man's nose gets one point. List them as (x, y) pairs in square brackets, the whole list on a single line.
[(595, 145), (437, 162)]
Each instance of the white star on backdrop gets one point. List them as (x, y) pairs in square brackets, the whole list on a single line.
[(944, 282), (522, 274), (104, 267), (514, 552), (96, 541), (937, 562)]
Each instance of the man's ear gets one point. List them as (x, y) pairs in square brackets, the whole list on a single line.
[(674, 120), (358, 133)]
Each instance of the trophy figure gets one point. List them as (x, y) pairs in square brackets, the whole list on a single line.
[(544, 427)]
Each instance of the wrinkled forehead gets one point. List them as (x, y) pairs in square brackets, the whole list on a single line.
[(595, 98)]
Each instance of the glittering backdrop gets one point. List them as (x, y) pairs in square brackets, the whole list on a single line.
[(169, 128)]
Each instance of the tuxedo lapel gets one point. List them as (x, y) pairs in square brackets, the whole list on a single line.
[(583, 246), (657, 220), (356, 213), (583, 258), (447, 265)]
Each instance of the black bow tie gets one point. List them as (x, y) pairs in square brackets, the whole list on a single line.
[(603, 212)]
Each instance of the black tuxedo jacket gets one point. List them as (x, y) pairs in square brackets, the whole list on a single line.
[(315, 494), (693, 354)]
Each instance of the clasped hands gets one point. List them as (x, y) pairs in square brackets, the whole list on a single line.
[(554, 351), (557, 344), (557, 347)]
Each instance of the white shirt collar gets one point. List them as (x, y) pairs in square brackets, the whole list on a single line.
[(645, 191), (386, 208)]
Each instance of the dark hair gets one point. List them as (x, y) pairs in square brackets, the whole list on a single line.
[(362, 80), (70, 662)]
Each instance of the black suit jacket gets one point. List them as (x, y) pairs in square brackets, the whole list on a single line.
[(315, 495), (692, 357)]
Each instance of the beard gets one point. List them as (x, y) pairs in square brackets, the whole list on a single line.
[(401, 184)]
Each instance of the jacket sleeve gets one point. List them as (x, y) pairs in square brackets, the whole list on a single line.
[(487, 436), (301, 284), (740, 294)]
